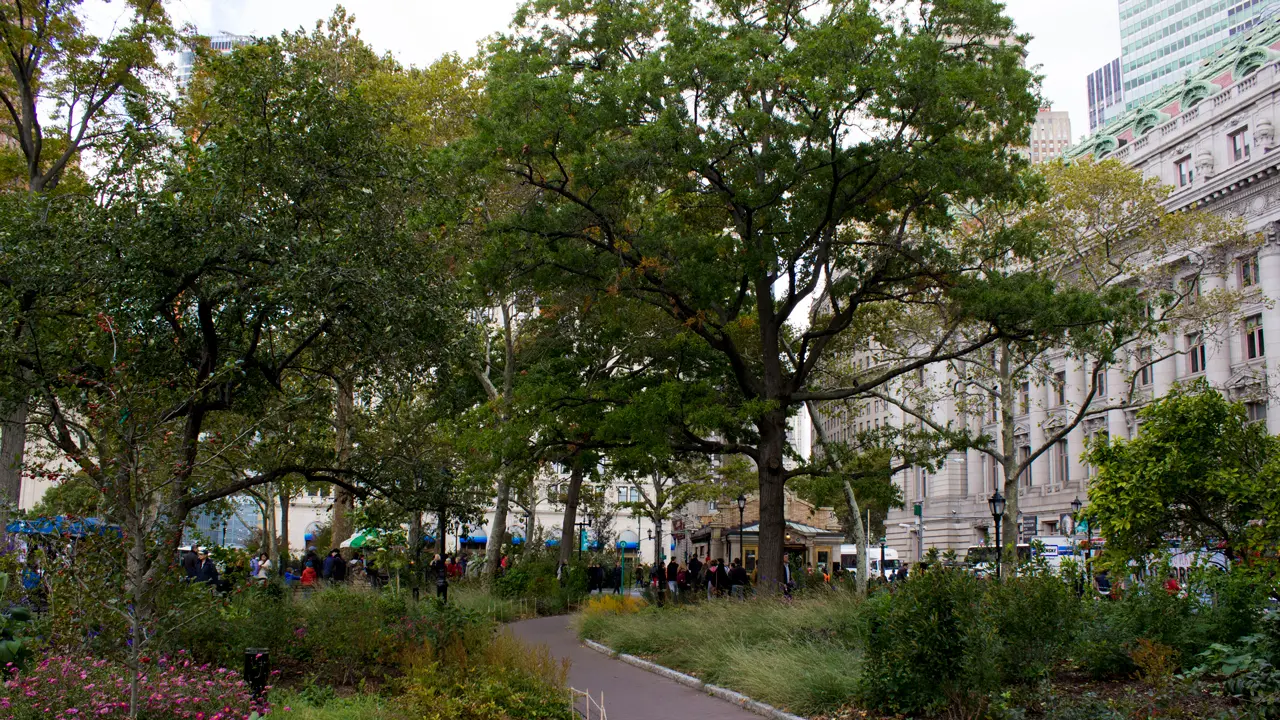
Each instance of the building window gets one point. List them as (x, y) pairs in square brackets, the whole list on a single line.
[(1024, 398), (713, 506), (1191, 289), (1253, 347), (1195, 354), (1186, 173), (993, 473), (1239, 144), (1060, 387), (1257, 411), (1100, 381), (1249, 271), (751, 559), (1146, 374), (1061, 462)]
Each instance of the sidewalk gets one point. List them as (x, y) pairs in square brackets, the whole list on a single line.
[(629, 692)]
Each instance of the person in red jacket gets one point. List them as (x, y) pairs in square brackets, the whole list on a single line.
[(309, 576)]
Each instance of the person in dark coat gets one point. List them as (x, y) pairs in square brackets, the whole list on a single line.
[(440, 571), (695, 572), (738, 580), (190, 563), (326, 569), (208, 572), (722, 578), (339, 568), (673, 569)]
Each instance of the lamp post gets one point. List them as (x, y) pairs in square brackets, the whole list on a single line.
[(742, 548), (582, 525), (882, 539), (997, 502), (1076, 505)]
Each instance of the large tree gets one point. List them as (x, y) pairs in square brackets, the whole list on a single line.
[(717, 159), (62, 93)]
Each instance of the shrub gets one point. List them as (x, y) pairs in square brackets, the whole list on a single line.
[(1036, 618), (1110, 630), (67, 686), (929, 645), (613, 605)]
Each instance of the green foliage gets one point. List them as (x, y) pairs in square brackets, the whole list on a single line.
[(1199, 470), (1036, 618), (13, 648), (534, 580), (929, 645)]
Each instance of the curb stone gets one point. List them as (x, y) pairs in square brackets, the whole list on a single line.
[(716, 691)]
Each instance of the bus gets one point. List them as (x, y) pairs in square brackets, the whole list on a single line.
[(1053, 548), (849, 556)]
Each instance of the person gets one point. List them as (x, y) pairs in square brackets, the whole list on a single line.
[(658, 579), (682, 579), (615, 576), (503, 565), (441, 573), (208, 572), (339, 573), (788, 582), (673, 572), (695, 572), (466, 558), (253, 565), (263, 571), (190, 563), (1171, 585), (722, 578), (326, 568), (309, 575), (738, 579)]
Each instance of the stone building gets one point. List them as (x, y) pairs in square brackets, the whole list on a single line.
[(1212, 139)]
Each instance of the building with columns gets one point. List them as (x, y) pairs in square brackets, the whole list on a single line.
[(1211, 139)]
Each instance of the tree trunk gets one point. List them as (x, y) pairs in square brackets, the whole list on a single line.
[(1009, 525), (442, 526), (860, 538), (493, 550), (773, 435), (343, 500), (284, 532), (13, 440), (568, 530)]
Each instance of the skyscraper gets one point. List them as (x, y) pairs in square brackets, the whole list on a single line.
[(1106, 94), (1050, 135), (1161, 39), (222, 42)]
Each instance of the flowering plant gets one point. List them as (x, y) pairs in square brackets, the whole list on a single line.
[(170, 688)]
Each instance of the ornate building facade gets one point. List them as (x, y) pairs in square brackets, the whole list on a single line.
[(1212, 139)]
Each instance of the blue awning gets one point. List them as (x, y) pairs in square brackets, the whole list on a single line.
[(517, 540), (63, 525), (474, 539), (552, 542), (628, 546)]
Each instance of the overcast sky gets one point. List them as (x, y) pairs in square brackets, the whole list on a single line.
[(1071, 37)]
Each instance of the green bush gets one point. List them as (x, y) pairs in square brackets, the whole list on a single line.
[(1036, 618), (929, 645)]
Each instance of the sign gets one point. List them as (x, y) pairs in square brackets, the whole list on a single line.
[(678, 536), (918, 510), (677, 524), (1029, 525)]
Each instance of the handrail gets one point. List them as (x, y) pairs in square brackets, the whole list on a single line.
[(588, 704)]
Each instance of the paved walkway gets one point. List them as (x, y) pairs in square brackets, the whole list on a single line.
[(629, 692)]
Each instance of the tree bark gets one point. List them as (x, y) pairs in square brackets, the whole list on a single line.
[(568, 531), (13, 441), (773, 436), (284, 532), (343, 500), (860, 538), (1009, 524)]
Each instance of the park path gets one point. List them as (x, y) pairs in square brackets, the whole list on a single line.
[(629, 692)]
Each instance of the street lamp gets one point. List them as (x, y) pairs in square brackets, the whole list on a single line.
[(742, 549), (997, 502), (582, 525), (1076, 505), (882, 539)]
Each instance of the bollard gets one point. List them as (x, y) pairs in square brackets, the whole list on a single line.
[(257, 671)]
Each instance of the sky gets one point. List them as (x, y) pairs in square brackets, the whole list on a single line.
[(1071, 38)]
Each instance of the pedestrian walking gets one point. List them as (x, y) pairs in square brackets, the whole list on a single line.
[(673, 583), (738, 581), (695, 572), (190, 563), (441, 573), (208, 572)]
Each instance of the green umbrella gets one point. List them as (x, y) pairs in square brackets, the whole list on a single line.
[(362, 538)]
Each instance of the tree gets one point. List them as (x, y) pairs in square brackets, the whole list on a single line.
[(716, 160), (1126, 270), (63, 92), (1199, 472), (224, 269)]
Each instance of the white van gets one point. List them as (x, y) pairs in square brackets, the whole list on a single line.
[(849, 556)]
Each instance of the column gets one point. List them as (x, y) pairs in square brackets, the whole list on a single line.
[(1269, 277), (1217, 340), (1117, 381), (1077, 389), (1038, 403), (1165, 371), (977, 487)]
